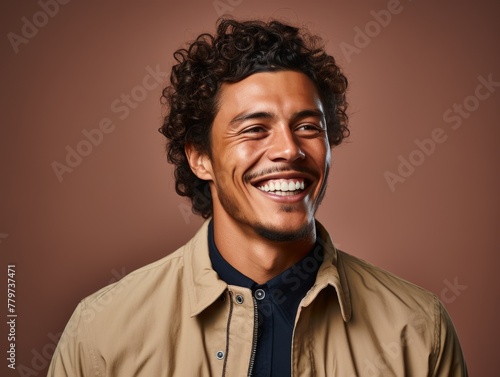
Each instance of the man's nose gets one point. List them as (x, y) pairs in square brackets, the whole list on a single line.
[(285, 146)]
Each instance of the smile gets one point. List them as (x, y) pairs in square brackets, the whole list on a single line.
[(283, 187)]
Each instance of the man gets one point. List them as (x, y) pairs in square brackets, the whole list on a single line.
[(260, 290)]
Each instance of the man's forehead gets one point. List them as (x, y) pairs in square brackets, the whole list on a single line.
[(267, 92)]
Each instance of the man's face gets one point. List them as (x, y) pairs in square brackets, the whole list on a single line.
[(270, 155)]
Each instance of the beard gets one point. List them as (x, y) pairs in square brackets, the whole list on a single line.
[(278, 235)]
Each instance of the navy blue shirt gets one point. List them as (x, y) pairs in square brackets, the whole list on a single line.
[(277, 303)]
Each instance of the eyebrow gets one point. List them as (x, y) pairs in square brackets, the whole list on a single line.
[(267, 115), (246, 116), (317, 113)]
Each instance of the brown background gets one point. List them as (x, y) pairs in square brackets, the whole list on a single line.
[(118, 211)]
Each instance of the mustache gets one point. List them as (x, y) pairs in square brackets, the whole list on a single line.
[(278, 169)]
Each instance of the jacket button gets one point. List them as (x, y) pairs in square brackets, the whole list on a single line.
[(239, 299), (260, 294), (219, 355)]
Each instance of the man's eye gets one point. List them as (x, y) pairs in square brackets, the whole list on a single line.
[(309, 128), (253, 130)]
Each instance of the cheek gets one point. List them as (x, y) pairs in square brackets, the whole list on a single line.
[(232, 162), (250, 149), (242, 156)]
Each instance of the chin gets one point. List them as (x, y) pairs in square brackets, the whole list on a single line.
[(285, 234)]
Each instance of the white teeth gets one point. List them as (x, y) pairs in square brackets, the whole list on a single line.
[(284, 193), (283, 188)]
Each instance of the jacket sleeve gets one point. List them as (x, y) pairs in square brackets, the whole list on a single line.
[(72, 357), (448, 358)]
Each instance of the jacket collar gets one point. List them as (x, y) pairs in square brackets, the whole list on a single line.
[(204, 285), (331, 273)]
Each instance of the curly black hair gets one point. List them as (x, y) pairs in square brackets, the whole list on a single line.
[(236, 51)]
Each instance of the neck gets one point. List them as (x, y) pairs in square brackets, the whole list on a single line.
[(257, 257)]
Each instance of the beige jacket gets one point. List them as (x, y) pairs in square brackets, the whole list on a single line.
[(176, 318)]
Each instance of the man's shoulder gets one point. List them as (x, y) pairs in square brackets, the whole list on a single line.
[(154, 278), (368, 282), (148, 278), (158, 293)]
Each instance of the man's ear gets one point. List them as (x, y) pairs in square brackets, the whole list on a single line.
[(199, 163)]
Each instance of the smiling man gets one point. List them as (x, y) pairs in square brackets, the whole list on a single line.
[(253, 112)]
